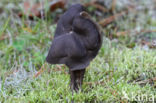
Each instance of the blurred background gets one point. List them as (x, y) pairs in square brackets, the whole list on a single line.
[(27, 29), (132, 20)]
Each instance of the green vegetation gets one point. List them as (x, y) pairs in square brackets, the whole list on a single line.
[(116, 73)]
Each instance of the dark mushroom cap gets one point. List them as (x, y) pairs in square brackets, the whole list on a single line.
[(79, 45), (65, 22)]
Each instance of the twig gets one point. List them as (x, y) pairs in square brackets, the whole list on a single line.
[(110, 19), (123, 33), (150, 81), (145, 31)]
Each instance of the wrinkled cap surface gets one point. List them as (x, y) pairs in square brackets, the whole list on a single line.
[(77, 39)]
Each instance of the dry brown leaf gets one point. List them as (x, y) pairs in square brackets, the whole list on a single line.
[(38, 9), (32, 10), (57, 4)]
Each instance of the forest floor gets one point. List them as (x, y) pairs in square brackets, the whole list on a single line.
[(124, 70)]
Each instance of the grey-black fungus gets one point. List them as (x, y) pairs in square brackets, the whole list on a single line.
[(76, 42)]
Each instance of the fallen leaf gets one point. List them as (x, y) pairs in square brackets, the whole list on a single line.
[(38, 9), (32, 9), (57, 4)]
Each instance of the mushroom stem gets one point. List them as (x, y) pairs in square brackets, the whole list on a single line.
[(76, 78)]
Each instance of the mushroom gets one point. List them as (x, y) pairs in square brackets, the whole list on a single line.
[(76, 43), (64, 24)]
